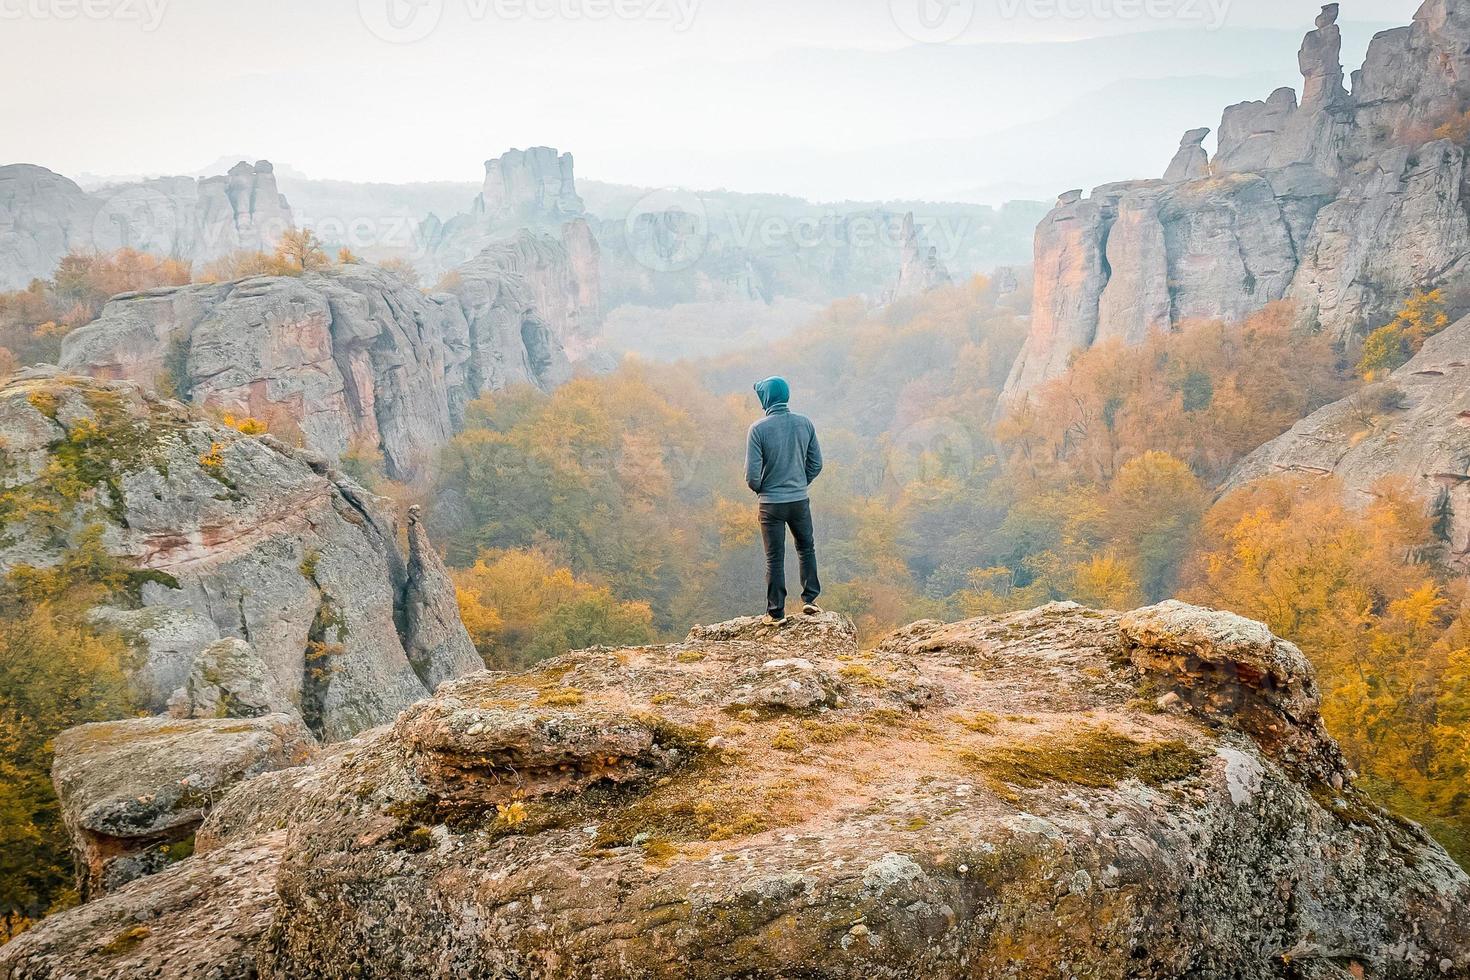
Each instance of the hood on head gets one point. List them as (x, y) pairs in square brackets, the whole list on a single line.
[(773, 392)]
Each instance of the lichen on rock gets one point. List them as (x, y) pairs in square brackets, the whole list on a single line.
[(1009, 796)]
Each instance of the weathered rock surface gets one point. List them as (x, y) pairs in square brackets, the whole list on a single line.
[(227, 679), (354, 357), (999, 797), (225, 536), (1343, 205), (1191, 162), (920, 268), (531, 190), (133, 792), (531, 185), (1414, 427), (43, 216)]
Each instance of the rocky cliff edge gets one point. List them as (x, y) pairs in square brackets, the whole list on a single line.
[(1061, 792)]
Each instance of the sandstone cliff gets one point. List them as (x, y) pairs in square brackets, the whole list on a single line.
[(1413, 426), (1055, 793), (1343, 203), (354, 356), (43, 216), (224, 536)]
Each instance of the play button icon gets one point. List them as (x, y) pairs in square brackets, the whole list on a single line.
[(401, 21), (932, 21)]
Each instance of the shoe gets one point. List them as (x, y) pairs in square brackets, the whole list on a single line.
[(773, 621), (811, 609)]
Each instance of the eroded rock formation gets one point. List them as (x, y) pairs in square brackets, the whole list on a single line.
[(1058, 792), (43, 216), (920, 268), (224, 536), (354, 357), (1191, 162), (1343, 204), (524, 190), (1413, 426), (531, 186)]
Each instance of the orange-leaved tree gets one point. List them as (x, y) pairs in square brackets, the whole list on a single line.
[(1387, 629)]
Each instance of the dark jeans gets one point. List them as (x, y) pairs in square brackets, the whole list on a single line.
[(775, 519)]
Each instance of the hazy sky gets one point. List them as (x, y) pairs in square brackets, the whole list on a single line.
[(770, 95)]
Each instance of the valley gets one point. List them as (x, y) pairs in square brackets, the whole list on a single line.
[(378, 569)]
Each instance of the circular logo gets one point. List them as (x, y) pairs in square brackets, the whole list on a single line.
[(930, 451), (932, 21), (142, 218), (400, 21), (667, 230)]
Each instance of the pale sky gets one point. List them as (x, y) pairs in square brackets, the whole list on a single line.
[(797, 96)]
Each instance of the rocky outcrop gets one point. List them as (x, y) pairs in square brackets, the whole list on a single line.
[(1413, 426), (1055, 792), (434, 637), (218, 535), (133, 792), (552, 283), (530, 186), (1342, 204), (1191, 162), (354, 358), (43, 216), (920, 268), (532, 190)]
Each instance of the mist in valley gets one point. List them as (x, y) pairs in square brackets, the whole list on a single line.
[(387, 492)]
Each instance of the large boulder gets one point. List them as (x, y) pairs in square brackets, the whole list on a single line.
[(1061, 792), (536, 184), (133, 792), (221, 535)]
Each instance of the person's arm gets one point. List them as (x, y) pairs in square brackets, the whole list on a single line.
[(755, 461), (813, 458)]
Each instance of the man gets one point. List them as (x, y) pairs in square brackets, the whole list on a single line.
[(782, 458)]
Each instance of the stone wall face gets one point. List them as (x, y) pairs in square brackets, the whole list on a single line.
[(355, 357)]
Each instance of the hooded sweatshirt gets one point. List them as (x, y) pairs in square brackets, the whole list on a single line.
[(782, 456)]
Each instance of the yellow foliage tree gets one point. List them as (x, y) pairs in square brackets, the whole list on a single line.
[(521, 607), (52, 676), (1208, 395), (1387, 632), (298, 251), (1422, 316)]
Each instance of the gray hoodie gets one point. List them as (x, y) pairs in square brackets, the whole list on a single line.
[(782, 456)]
